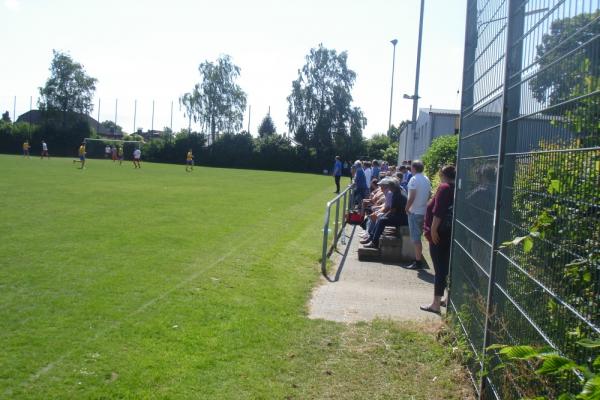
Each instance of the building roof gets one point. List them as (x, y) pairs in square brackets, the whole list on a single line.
[(440, 111)]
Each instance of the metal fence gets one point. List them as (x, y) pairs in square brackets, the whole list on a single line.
[(525, 264), (336, 225)]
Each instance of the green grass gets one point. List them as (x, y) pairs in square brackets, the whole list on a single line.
[(157, 283)]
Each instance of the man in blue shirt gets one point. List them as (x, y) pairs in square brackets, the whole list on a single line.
[(337, 173), (375, 169), (361, 190)]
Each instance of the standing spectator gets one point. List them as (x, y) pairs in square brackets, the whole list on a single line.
[(437, 228), (361, 189), (44, 150), (137, 156), (337, 173), (107, 151), (384, 167), (375, 170), (368, 171), (419, 189), (346, 170), (26, 148)]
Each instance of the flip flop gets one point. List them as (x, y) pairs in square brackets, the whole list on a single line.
[(429, 309)]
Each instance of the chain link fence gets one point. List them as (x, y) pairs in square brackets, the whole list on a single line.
[(525, 264)]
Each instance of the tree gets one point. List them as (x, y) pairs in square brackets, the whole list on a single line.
[(443, 150), (320, 112), (69, 88), (112, 127), (6, 117), (217, 101), (560, 79), (267, 127)]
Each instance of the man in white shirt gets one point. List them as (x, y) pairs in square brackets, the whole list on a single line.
[(107, 151), (419, 190), (44, 150), (368, 173), (137, 155)]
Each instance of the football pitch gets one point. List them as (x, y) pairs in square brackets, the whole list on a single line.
[(157, 283)]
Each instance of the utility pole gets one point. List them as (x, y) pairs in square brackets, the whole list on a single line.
[(249, 115)]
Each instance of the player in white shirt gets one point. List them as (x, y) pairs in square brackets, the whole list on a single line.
[(44, 150), (419, 190), (137, 156)]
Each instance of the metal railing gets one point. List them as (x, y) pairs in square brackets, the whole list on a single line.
[(346, 197)]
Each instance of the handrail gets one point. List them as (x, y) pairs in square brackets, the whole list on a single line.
[(346, 195)]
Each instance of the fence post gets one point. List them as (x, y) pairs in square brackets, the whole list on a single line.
[(511, 37), (344, 219), (337, 217), (325, 233)]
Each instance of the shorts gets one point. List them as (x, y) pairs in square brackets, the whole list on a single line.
[(189, 162), (44, 152), (81, 158), (136, 159), (415, 226)]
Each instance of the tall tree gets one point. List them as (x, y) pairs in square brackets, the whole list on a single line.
[(69, 88), (217, 101), (563, 79), (267, 127), (320, 112)]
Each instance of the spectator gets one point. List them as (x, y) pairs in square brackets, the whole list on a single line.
[(361, 190), (337, 173), (394, 216), (380, 202), (437, 229), (406, 177), (113, 151), (384, 167), (419, 189), (107, 151), (345, 171), (375, 170), (368, 171)]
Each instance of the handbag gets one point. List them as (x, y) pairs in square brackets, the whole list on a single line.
[(354, 217)]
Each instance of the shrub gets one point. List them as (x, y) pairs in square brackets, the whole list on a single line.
[(442, 151)]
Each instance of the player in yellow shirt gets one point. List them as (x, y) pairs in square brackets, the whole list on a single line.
[(26, 148), (189, 161), (81, 155)]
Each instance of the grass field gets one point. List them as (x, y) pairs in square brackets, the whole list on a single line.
[(157, 283)]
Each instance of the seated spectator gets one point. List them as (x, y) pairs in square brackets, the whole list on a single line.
[(392, 216)]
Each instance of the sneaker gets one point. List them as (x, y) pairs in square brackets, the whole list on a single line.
[(417, 264), (365, 240), (370, 245)]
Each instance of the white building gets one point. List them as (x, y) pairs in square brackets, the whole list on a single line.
[(431, 123)]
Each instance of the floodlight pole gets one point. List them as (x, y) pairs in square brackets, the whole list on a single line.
[(15, 109), (98, 121), (134, 115), (394, 43), (152, 128)]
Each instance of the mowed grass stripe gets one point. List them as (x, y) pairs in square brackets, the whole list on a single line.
[(111, 269)]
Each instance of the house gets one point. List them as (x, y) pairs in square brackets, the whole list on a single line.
[(431, 123), (35, 117)]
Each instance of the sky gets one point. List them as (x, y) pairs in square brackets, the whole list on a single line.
[(150, 51)]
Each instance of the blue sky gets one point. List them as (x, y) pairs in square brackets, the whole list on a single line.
[(151, 50)]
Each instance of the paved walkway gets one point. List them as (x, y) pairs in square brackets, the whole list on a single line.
[(361, 291)]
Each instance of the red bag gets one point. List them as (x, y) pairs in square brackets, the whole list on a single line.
[(354, 218)]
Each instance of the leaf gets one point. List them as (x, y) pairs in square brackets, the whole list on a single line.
[(527, 244), (555, 363), (596, 364), (592, 389), (519, 352), (514, 242), (554, 186), (496, 346), (589, 343)]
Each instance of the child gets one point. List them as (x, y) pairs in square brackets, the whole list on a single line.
[(44, 150), (137, 155), (189, 162), (81, 155), (120, 155), (26, 148)]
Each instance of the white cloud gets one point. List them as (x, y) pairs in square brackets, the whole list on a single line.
[(12, 4)]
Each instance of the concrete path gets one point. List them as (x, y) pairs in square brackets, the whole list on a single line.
[(361, 291)]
